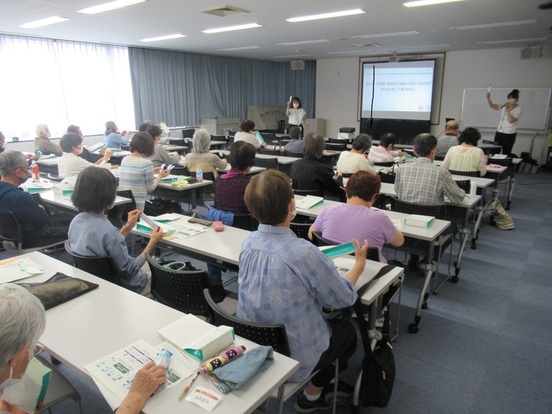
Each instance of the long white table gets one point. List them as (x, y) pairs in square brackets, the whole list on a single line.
[(422, 242), (109, 318), (180, 194)]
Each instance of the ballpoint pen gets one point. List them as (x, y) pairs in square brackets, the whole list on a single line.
[(187, 387)]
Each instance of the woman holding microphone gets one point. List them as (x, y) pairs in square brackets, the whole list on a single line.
[(509, 115), (296, 114)]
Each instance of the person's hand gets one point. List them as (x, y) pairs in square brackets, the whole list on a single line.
[(156, 234), (164, 173), (289, 104), (133, 217), (157, 170), (144, 384), (360, 251), (107, 154), (488, 95)]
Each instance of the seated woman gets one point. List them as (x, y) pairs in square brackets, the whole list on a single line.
[(247, 133), (295, 145), (384, 151), (310, 173), (466, 156), (42, 141), (160, 155), (91, 233), (70, 164), (112, 137), (200, 157), (136, 171), (356, 219), (355, 160)]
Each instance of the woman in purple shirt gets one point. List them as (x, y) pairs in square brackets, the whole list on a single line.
[(357, 219)]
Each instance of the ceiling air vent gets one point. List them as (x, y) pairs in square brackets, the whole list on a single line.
[(225, 11)]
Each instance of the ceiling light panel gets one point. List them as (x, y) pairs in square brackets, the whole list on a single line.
[(374, 36), (43, 22), (303, 42), (166, 37), (493, 25), (326, 15), (232, 28), (112, 5), (420, 3)]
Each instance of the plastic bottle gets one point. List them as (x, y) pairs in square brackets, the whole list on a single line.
[(35, 171), (199, 175)]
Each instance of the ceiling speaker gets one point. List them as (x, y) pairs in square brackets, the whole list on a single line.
[(531, 52), (297, 64)]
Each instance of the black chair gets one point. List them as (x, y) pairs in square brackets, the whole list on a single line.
[(59, 389), (384, 164), (54, 177), (387, 177), (268, 163), (188, 133), (466, 173), (273, 335), (218, 138), (294, 154), (119, 214), (268, 136), (101, 266), (183, 289), (245, 222), (269, 151), (11, 235), (336, 147), (445, 240), (305, 192), (337, 141), (301, 229), (464, 185)]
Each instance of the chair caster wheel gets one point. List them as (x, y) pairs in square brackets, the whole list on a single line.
[(454, 279), (413, 328), (424, 305)]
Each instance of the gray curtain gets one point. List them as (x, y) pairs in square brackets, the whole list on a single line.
[(180, 88)]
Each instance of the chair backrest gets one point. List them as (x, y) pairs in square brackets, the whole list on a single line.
[(464, 185), (505, 162), (101, 266), (38, 200), (10, 229), (268, 136), (305, 192), (188, 133), (54, 177), (268, 163), (179, 170), (347, 175), (294, 154), (180, 289), (209, 172), (301, 229), (245, 222), (128, 206), (466, 173), (218, 138), (387, 177), (269, 151), (336, 147), (384, 164), (273, 335), (281, 126), (337, 140), (438, 211)]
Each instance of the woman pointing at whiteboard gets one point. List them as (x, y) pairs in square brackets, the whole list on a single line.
[(509, 115), (296, 114)]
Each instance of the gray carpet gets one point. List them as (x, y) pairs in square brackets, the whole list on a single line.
[(484, 344)]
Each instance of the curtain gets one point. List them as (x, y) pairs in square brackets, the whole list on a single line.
[(61, 83), (181, 88)]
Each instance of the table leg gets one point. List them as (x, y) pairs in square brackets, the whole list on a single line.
[(429, 269)]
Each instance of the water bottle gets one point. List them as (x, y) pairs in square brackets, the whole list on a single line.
[(35, 172), (199, 175)]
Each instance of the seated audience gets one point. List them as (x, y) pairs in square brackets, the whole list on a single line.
[(2, 142), (70, 164), (450, 139), (466, 156), (287, 280), (247, 133), (39, 228), (42, 141), (112, 137), (23, 322), (160, 155), (356, 219), (384, 151), (295, 146), (91, 233), (350, 162), (200, 157), (87, 155), (143, 127), (137, 172), (310, 173)]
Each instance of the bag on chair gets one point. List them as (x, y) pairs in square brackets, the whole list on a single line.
[(500, 217)]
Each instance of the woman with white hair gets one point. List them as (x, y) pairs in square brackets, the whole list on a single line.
[(22, 322), (112, 137), (200, 157), (42, 141)]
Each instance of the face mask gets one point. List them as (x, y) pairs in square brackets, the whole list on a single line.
[(293, 211), (9, 382), (512, 101), (48, 134), (296, 105)]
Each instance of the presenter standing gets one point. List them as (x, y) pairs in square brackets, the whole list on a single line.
[(509, 115), (296, 114)]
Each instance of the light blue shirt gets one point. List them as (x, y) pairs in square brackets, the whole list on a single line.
[(92, 234), (115, 140), (285, 279)]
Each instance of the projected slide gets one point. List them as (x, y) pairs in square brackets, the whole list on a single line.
[(397, 90)]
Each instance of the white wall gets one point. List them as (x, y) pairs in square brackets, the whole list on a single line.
[(337, 83)]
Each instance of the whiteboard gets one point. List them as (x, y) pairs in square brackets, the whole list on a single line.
[(535, 103)]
